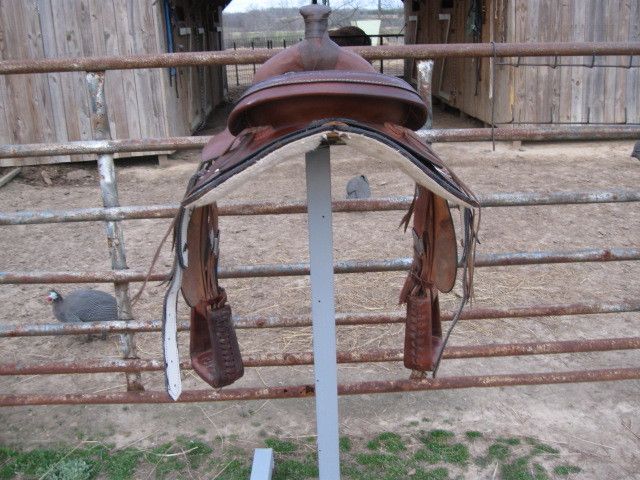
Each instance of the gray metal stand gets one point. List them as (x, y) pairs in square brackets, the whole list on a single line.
[(318, 170), (323, 311), (262, 467)]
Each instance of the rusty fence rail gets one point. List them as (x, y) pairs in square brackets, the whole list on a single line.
[(504, 199), (340, 267), (380, 52), (305, 391), (342, 319), (504, 133), (112, 213)]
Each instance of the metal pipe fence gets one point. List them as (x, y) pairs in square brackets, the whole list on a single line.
[(340, 267), (507, 133), (306, 391), (112, 214), (342, 319), (242, 75), (383, 52), (506, 199)]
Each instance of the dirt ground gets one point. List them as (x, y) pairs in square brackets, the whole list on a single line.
[(597, 423)]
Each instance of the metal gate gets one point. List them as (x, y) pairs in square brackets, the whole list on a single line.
[(121, 276)]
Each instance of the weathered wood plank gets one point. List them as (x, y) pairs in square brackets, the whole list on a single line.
[(620, 81), (566, 79), (124, 31), (105, 42), (54, 80), (633, 74), (578, 112)]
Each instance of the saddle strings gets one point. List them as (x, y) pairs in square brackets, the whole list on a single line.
[(156, 256)]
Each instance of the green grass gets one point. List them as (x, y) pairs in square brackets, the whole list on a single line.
[(508, 441), (122, 464), (280, 446), (520, 469), (435, 474), (498, 451), (440, 449), (345, 444), (541, 448), (416, 455), (473, 435), (392, 442), (564, 470)]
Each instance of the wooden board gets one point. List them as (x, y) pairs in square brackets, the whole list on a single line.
[(539, 93), (55, 107)]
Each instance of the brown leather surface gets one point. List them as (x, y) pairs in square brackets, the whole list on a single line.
[(316, 52), (423, 332), (300, 98), (445, 252), (215, 353)]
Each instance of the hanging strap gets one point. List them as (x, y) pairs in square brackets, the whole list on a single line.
[(170, 309), (433, 269)]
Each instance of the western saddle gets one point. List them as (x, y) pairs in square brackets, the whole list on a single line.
[(313, 95)]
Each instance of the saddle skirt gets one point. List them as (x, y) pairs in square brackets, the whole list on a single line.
[(316, 95)]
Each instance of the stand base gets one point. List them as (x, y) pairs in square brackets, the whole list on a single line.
[(262, 467)]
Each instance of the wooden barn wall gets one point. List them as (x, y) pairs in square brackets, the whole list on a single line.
[(538, 94), (141, 103), (577, 93)]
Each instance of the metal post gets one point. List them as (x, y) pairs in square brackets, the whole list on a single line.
[(425, 74), (318, 170), (115, 238), (237, 75), (262, 467)]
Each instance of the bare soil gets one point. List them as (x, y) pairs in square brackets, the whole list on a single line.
[(597, 423)]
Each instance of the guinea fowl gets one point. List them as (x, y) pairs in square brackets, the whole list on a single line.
[(636, 150), (358, 187), (84, 306)]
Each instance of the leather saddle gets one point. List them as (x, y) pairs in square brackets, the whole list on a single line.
[(316, 95)]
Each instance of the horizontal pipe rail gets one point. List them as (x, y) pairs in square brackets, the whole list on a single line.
[(303, 391), (342, 319), (506, 199), (381, 52), (508, 133), (306, 358), (340, 267)]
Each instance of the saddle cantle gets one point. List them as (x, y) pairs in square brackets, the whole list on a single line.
[(311, 95)]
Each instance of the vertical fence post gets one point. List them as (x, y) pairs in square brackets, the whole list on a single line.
[(425, 75), (236, 65), (253, 47), (115, 238), (381, 60)]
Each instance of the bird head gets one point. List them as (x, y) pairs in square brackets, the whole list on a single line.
[(53, 296)]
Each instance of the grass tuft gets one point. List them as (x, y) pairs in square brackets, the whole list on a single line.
[(473, 435), (541, 449), (499, 451), (520, 469), (509, 441), (564, 470), (392, 442), (345, 444), (280, 446), (289, 469), (122, 464), (435, 474)]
